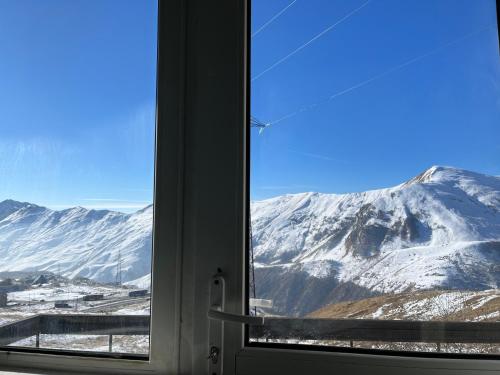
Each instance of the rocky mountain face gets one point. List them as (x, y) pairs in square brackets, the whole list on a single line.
[(75, 242), (441, 229)]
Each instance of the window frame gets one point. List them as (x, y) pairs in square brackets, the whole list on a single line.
[(264, 359), (165, 327)]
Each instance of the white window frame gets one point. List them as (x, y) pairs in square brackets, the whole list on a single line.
[(165, 327), (216, 199)]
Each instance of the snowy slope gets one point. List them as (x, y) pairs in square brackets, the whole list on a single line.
[(75, 242), (440, 229)]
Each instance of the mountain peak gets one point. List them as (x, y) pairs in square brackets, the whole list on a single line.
[(456, 177), (9, 206), (428, 174), (438, 173), (11, 202)]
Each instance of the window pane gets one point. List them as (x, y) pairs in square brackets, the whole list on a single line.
[(375, 164), (77, 105)]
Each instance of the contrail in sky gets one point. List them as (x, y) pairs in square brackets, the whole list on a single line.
[(378, 76), (274, 18), (300, 48)]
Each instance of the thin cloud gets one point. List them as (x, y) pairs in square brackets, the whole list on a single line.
[(150, 190), (113, 200), (284, 187), (319, 156), (34, 162), (104, 204), (114, 206)]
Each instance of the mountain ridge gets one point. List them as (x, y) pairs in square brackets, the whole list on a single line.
[(440, 228), (75, 241)]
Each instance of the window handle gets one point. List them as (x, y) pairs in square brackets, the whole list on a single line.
[(216, 314), (217, 302)]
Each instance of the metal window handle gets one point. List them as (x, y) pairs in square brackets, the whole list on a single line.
[(216, 314), (217, 302)]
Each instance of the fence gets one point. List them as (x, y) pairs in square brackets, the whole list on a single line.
[(437, 332), (54, 324)]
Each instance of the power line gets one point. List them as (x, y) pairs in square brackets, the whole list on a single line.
[(300, 48), (378, 76), (256, 123), (119, 269), (274, 18)]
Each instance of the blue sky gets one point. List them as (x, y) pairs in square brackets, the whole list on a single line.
[(77, 96), (77, 102), (434, 97)]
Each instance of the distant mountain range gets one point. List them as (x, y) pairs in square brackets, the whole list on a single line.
[(75, 242), (440, 230)]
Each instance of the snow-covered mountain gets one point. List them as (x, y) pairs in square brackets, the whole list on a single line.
[(76, 241), (441, 229)]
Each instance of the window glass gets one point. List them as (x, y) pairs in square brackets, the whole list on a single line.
[(375, 174), (77, 123)]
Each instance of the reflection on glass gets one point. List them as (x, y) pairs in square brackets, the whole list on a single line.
[(77, 103), (375, 188)]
